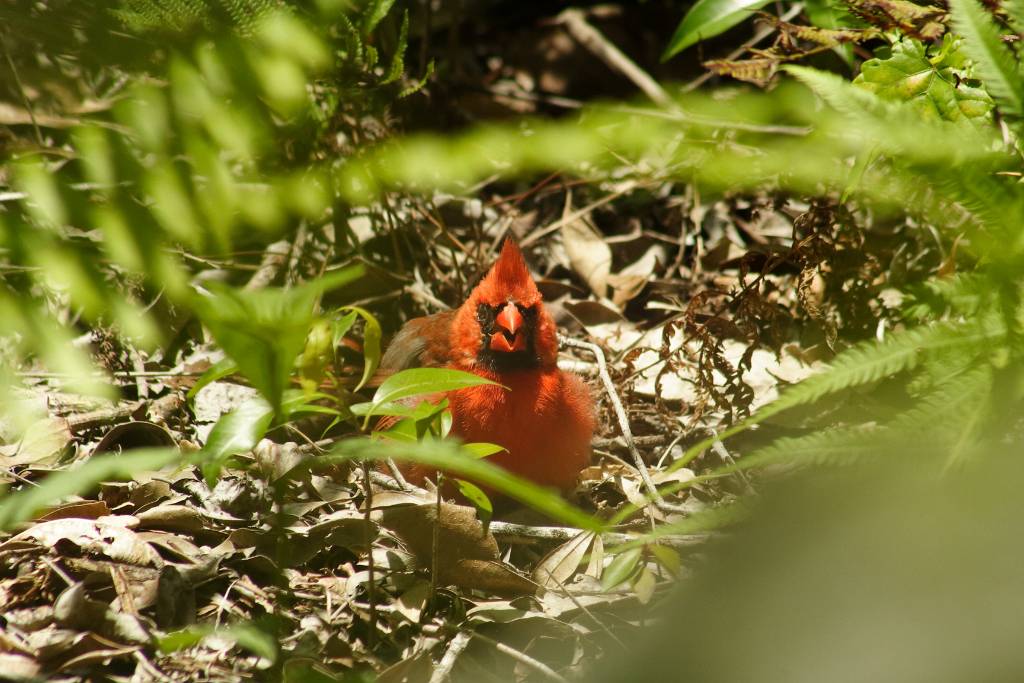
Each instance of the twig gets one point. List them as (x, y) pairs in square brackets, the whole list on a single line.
[(435, 542), (757, 38), (368, 526), (538, 666), (149, 667), (98, 418), (455, 648), (576, 24), (620, 414), (24, 97), (628, 186), (274, 258), (719, 448), (510, 532)]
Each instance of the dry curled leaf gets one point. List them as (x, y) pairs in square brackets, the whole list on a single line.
[(109, 536), (468, 555)]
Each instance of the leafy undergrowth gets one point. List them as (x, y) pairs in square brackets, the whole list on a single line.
[(254, 558), (225, 513)]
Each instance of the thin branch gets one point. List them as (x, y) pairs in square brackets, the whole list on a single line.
[(21, 91), (757, 38), (509, 532), (620, 414), (576, 24), (538, 666), (455, 648), (626, 187), (368, 526)]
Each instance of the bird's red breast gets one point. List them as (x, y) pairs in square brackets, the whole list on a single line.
[(544, 418)]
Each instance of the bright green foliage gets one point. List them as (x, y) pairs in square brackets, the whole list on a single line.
[(707, 19), (996, 64), (162, 16), (933, 78)]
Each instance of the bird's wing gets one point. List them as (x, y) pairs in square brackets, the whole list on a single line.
[(422, 342)]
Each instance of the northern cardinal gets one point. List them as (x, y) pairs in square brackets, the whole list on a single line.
[(545, 418)]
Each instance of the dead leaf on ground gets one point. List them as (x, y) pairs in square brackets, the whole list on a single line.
[(469, 555), (109, 536), (589, 255), (559, 565)]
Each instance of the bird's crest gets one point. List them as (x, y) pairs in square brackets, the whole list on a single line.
[(509, 279)]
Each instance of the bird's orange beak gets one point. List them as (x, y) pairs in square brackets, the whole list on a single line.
[(508, 337)]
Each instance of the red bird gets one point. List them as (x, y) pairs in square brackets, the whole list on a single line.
[(545, 418)]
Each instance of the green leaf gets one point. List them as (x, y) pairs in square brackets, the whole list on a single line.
[(996, 65), (475, 495), (621, 568), (419, 382), (25, 504), (868, 362), (482, 450), (934, 83), (219, 370), (448, 456), (341, 326), (265, 330), (707, 19), (371, 344), (374, 14), (245, 635), (235, 432)]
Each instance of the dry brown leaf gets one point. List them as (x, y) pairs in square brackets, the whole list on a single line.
[(107, 536), (559, 565), (82, 509), (468, 555), (589, 255), (172, 518), (132, 435), (42, 444)]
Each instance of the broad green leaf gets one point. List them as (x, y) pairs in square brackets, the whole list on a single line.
[(25, 504), (44, 201), (707, 19), (621, 568), (341, 326), (933, 80), (225, 367), (235, 432), (482, 450), (996, 65), (245, 635), (419, 382), (475, 495), (264, 331)]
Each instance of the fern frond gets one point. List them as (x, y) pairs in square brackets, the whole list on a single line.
[(840, 93), (397, 66), (871, 361), (828, 447), (375, 13), (1015, 12), (996, 65)]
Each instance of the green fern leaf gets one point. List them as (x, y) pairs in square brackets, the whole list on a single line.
[(397, 66), (375, 13), (996, 65), (870, 361), (829, 447), (1015, 12)]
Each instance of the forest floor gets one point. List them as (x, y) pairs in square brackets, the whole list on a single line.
[(704, 307)]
